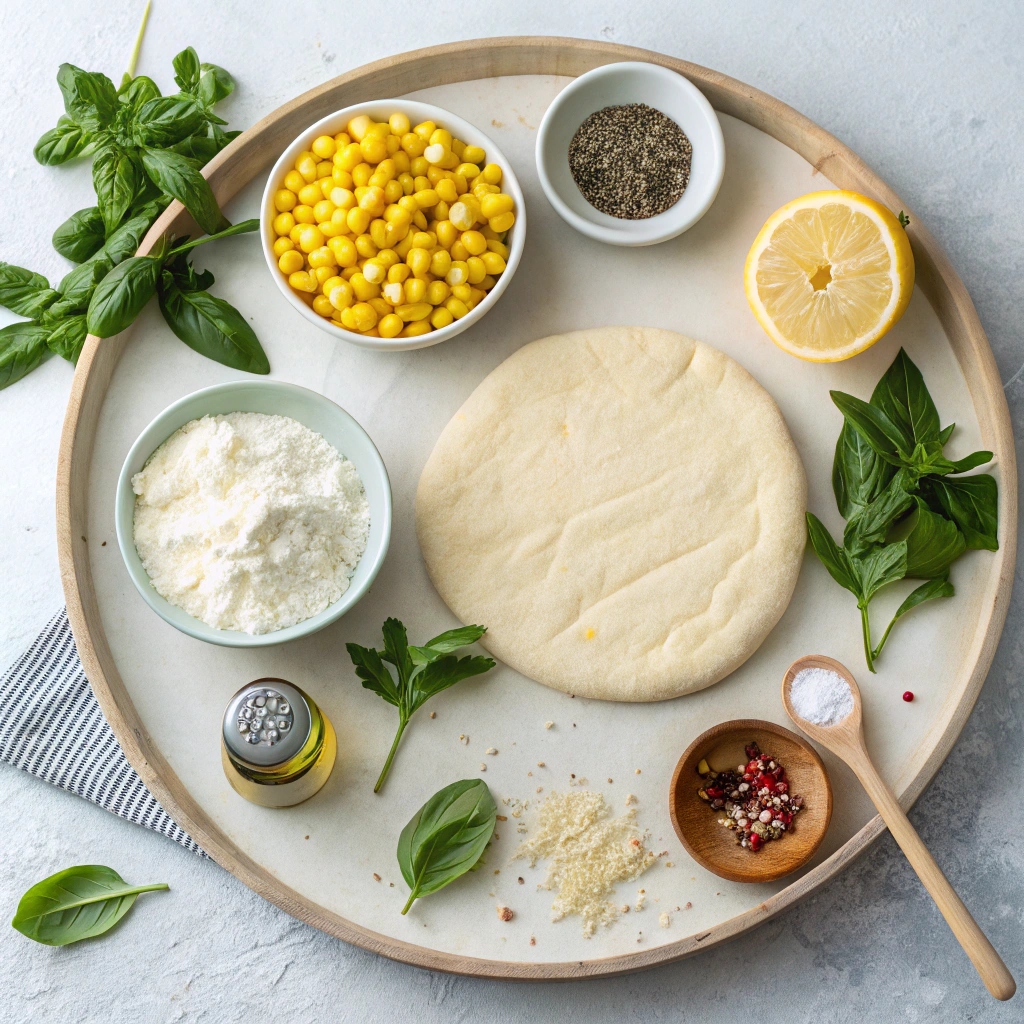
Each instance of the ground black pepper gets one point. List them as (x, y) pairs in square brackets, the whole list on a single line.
[(631, 162)]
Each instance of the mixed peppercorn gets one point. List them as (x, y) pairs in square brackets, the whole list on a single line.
[(754, 797)]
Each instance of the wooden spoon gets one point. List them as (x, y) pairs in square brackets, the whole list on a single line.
[(846, 740)]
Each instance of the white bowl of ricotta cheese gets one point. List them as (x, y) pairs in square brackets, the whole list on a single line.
[(252, 513)]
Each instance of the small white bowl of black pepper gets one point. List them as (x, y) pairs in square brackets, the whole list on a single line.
[(631, 154)]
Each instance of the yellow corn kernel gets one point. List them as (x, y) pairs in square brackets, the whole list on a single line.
[(441, 213), (349, 272), (421, 183), (359, 126), (343, 198), (458, 148), (324, 169), (351, 157), (374, 271), (425, 129), (458, 273), (476, 271), (395, 232), (364, 316), (374, 149), (474, 155), (418, 260), (402, 248), (304, 214), (379, 233), (399, 123), (437, 154), (446, 190), (415, 289), (393, 191), (322, 257), (291, 261), (366, 247), (322, 275), (310, 238), (488, 283), (379, 130), (477, 295), (302, 282), (502, 222), (447, 233), (283, 223), (414, 330), (483, 189), (358, 220), (390, 326), (424, 240), (463, 292), (361, 174), (440, 318), (436, 174), (323, 210), (492, 205), (344, 250), (332, 227), (398, 273), (340, 179), (387, 258), (456, 307), (293, 235), (322, 305), (461, 215), (341, 295), (346, 318), (408, 183), (342, 139), (381, 308), (426, 198), (440, 263), (398, 215), (362, 288), (413, 311), (284, 200), (459, 251), (441, 137), (283, 245), (409, 204), (386, 169), (372, 200), (293, 181), (307, 168), (402, 161), (499, 247), (418, 166), (436, 293), (474, 242), (413, 145), (393, 292), (325, 185), (330, 284), (493, 262), (419, 219), (492, 174), (466, 171)]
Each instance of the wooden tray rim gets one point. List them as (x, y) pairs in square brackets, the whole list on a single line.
[(255, 149)]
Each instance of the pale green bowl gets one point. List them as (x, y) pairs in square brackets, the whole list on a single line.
[(275, 398)]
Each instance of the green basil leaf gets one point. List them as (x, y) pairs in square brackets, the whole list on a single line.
[(832, 556), (81, 235), (373, 673), (870, 526), (215, 84), (875, 427), (927, 459), (859, 473), (880, 567), (120, 296), (125, 241), (167, 120), (178, 273), (62, 143), (23, 291), (117, 180), (446, 837), (22, 349), (214, 328), (78, 286), (930, 591), (396, 647), (90, 98), (186, 69), (973, 504), (971, 461), (179, 179), (200, 148), (445, 672), (76, 903), (222, 138), (933, 543), (445, 643), (902, 395), (946, 433), (68, 336), (241, 228), (137, 91)]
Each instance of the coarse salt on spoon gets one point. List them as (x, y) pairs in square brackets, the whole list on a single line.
[(815, 698)]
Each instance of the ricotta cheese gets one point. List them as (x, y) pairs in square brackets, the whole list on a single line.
[(249, 522)]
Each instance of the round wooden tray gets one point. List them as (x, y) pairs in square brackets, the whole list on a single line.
[(251, 153)]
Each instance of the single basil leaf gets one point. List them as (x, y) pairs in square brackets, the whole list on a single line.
[(23, 291), (179, 179), (831, 555), (880, 567), (182, 275), (946, 433), (441, 674), (445, 643), (200, 148), (215, 84), (214, 328), (61, 143), (22, 349), (137, 91), (374, 675), (68, 336), (902, 395), (971, 461), (117, 181), (871, 524), (78, 286), (167, 120), (90, 98), (125, 241), (859, 474), (396, 646), (120, 296), (186, 69), (222, 138), (446, 837), (930, 591), (875, 427), (76, 903), (973, 504), (933, 544), (81, 235)]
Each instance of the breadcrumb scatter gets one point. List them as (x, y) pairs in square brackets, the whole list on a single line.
[(587, 853), (504, 913), (664, 920)]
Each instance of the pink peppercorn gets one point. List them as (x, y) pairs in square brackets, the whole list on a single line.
[(908, 696)]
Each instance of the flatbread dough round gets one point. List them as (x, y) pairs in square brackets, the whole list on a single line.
[(623, 508)]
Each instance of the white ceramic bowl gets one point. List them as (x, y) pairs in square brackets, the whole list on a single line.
[(381, 110), (614, 85), (276, 398)]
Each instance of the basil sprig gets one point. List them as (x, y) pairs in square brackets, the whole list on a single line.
[(77, 903), (422, 671), (446, 837), (907, 512), (146, 150)]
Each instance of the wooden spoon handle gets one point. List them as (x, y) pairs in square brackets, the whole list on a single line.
[(986, 960)]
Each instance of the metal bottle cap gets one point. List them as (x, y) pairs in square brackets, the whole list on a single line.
[(267, 722)]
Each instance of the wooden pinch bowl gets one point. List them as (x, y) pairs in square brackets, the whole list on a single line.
[(712, 845)]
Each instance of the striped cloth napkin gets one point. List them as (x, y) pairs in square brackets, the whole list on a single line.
[(54, 729)]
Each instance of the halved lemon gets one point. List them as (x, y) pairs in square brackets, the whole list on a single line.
[(829, 274)]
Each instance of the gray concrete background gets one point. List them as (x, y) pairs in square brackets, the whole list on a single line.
[(929, 94)]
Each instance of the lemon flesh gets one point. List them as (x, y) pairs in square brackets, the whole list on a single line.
[(829, 274)]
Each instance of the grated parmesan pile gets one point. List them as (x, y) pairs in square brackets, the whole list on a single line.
[(587, 854)]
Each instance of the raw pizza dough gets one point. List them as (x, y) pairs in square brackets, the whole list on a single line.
[(623, 508)]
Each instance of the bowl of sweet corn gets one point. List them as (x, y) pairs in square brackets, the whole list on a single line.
[(393, 224)]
